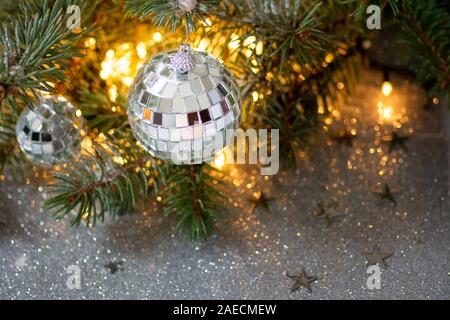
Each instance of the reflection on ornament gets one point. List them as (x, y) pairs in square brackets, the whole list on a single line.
[(49, 134), (183, 115)]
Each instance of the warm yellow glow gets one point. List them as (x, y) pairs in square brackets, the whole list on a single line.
[(203, 44), (234, 42), (250, 42), (119, 160), (125, 46), (124, 64), (110, 54), (435, 100), (385, 112), (320, 109), (128, 81), (255, 67), (120, 64), (219, 160), (259, 48), (335, 113), (255, 96), (90, 43), (207, 23), (157, 36), (329, 58), (386, 88), (86, 143), (78, 113), (340, 85), (141, 49), (113, 93), (104, 75)]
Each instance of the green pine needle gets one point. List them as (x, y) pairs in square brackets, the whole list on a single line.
[(192, 194), (168, 13)]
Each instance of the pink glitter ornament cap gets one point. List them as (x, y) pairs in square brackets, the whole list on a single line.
[(183, 60)]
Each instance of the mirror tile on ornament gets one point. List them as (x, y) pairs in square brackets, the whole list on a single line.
[(187, 133), (185, 90), (198, 132), (152, 131), (220, 124), (216, 111), (158, 87), (169, 120), (203, 101), (207, 83), (185, 146), (210, 129), (181, 120), (179, 105), (175, 134), (169, 90), (196, 86), (214, 96), (163, 133), (161, 145), (190, 104), (222, 89), (165, 105), (157, 118)]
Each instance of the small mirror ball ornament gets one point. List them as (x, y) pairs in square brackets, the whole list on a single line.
[(49, 132)]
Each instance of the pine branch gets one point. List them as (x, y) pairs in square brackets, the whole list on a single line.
[(296, 118), (35, 44), (288, 33), (172, 13), (298, 111), (192, 194), (109, 182), (97, 107), (360, 11), (426, 26)]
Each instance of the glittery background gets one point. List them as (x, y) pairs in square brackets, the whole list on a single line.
[(249, 254)]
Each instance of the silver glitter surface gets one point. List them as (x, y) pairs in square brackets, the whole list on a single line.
[(184, 116), (48, 134), (250, 253)]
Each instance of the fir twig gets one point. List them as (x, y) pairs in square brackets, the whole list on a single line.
[(35, 45), (193, 194), (109, 182), (167, 13), (426, 26)]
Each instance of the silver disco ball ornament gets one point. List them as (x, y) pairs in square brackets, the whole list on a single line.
[(184, 106), (48, 133)]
